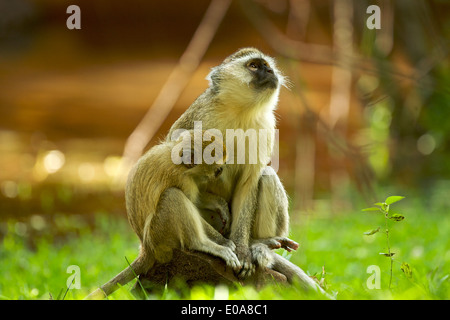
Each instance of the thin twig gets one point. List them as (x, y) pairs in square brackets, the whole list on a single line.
[(388, 246)]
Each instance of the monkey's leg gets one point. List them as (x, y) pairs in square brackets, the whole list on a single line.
[(271, 219), (272, 212), (178, 224), (242, 211)]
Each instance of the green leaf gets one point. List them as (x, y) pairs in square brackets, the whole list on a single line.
[(369, 233), (393, 199), (407, 270), (371, 209), (387, 254), (396, 217), (380, 204)]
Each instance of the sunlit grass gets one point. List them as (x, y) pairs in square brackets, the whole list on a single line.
[(339, 244), (37, 268)]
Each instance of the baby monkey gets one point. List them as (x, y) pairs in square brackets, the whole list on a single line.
[(161, 194)]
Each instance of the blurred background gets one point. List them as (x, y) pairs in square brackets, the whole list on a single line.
[(366, 113)]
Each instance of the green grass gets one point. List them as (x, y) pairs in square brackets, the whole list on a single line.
[(339, 244), (33, 266)]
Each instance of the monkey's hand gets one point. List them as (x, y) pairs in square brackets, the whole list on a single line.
[(245, 258), (231, 259), (227, 243)]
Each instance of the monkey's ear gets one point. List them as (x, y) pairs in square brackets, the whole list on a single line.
[(213, 77)]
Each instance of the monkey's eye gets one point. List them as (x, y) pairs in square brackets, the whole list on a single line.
[(253, 66)]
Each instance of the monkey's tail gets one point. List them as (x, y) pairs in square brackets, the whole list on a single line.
[(140, 265), (294, 273)]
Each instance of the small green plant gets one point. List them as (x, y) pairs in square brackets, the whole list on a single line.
[(389, 214)]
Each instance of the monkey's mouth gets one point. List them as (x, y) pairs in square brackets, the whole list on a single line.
[(269, 81)]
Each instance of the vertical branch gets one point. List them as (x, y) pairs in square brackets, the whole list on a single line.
[(298, 18), (305, 159), (305, 146), (341, 74), (341, 83), (176, 82)]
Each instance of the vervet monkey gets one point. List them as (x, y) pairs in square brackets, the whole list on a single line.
[(160, 199), (243, 94)]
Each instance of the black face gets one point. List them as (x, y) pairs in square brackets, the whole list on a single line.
[(264, 77)]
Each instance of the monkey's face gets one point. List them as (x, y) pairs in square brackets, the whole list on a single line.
[(204, 173), (247, 77), (263, 76)]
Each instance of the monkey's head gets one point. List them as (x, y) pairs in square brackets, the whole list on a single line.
[(247, 77), (203, 173)]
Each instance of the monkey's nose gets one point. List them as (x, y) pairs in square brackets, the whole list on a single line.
[(218, 172), (269, 70)]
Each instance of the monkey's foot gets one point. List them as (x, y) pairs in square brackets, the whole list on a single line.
[(262, 255), (247, 265)]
